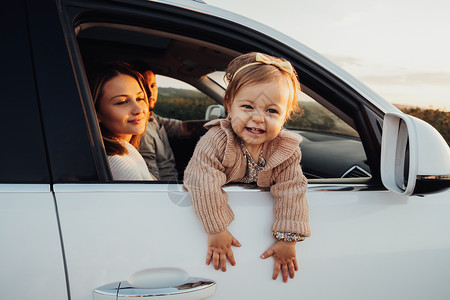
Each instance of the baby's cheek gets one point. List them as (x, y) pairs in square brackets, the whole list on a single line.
[(238, 131), (236, 124)]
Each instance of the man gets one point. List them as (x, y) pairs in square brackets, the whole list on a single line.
[(154, 146)]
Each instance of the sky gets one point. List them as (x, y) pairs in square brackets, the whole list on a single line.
[(400, 49)]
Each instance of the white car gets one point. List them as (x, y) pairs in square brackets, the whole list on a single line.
[(378, 179)]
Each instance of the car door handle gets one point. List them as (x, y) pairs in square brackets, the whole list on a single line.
[(189, 288)]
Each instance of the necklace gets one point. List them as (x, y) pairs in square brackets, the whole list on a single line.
[(253, 167)]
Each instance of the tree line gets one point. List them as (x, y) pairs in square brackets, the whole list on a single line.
[(439, 119)]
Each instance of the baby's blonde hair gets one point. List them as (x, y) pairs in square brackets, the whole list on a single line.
[(245, 70)]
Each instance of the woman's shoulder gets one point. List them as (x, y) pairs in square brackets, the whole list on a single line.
[(124, 160), (117, 159), (130, 166), (121, 167)]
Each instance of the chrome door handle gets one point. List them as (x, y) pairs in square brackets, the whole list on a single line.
[(192, 288)]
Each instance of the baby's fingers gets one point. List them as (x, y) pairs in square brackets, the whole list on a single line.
[(284, 272), (231, 258), (235, 243), (269, 252), (276, 270), (209, 256), (223, 262), (292, 270), (216, 260)]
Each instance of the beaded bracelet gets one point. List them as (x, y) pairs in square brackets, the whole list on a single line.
[(288, 236)]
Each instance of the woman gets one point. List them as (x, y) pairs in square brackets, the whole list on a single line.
[(122, 112)]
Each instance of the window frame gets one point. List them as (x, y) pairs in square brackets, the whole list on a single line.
[(349, 105)]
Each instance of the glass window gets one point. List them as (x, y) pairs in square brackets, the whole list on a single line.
[(315, 117), (330, 147), (179, 100)]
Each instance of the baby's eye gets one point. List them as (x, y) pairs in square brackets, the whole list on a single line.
[(247, 106), (272, 111), (140, 99)]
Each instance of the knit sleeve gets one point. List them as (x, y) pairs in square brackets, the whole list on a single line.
[(204, 177), (290, 209)]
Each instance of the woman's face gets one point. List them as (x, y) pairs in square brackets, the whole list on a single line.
[(123, 108)]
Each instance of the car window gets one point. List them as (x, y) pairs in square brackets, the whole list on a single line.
[(314, 117), (331, 148), (179, 100), (190, 79)]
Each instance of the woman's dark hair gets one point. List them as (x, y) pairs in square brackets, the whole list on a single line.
[(104, 74)]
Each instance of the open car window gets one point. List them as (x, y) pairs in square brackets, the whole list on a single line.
[(190, 80), (314, 117), (180, 101), (331, 148)]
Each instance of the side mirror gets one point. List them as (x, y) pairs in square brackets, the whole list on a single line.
[(215, 111), (415, 158)]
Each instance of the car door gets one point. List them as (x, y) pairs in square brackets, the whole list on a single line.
[(359, 238), (366, 242)]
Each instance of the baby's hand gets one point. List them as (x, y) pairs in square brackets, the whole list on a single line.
[(219, 248), (285, 259)]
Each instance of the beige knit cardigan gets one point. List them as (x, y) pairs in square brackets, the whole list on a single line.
[(218, 160)]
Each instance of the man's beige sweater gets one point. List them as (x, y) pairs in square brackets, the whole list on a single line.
[(218, 160)]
